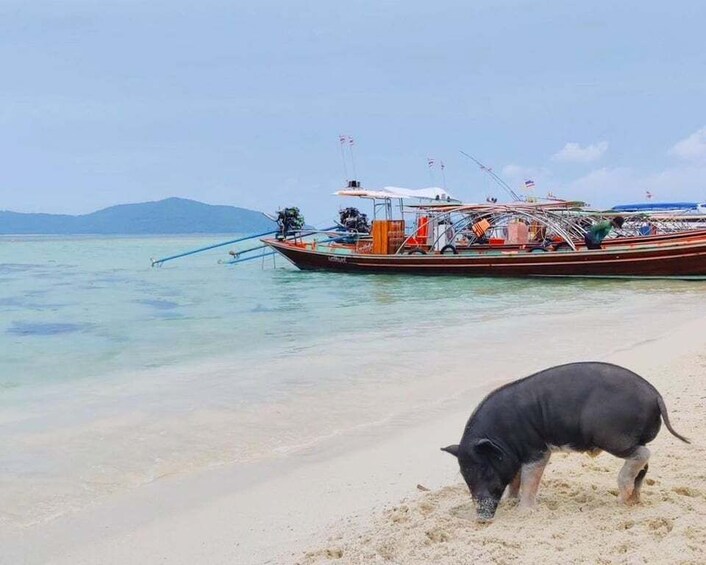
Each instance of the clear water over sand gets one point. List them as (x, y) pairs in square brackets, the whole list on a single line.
[(114, 374)]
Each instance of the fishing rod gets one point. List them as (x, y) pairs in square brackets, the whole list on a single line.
[(492, 174)]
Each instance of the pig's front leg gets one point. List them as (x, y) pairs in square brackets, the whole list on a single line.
[(513, 489), (531, 475)]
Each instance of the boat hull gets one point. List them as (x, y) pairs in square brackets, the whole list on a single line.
[(683, 260)]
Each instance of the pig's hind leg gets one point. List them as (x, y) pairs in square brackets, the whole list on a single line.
[(638, 484), (632, 474)]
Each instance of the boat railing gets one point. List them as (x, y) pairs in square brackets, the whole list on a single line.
[(449, 225)]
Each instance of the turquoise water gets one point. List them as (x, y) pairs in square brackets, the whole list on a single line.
[(114, 373), (93, 308)]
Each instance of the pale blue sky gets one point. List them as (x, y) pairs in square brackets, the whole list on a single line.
[(242, 103)]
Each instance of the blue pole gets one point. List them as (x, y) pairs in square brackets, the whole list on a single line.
[(186, 253), (242, 260), (249, 249), (234, 261)]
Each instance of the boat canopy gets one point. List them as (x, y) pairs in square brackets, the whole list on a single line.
[(658, 207), (433, 193), (508, 207)]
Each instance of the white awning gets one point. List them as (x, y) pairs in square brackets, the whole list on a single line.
[(432, 193)]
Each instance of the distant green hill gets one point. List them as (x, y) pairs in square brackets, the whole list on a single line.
[(170, 216)]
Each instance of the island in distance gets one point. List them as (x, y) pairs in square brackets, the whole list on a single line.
[(168, 216)]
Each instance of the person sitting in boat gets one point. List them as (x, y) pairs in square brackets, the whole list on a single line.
[(598, 231)]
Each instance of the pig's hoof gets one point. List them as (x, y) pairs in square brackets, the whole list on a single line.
[(629, 499)]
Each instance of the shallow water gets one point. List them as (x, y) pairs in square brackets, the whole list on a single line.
[(113, 373)]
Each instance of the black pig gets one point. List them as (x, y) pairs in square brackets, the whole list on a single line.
[(589, 407)]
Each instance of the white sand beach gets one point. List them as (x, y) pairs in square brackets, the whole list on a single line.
[(578, 518), (359, 495)]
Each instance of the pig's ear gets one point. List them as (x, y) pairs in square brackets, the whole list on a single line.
[(488, 448), (452, 449)]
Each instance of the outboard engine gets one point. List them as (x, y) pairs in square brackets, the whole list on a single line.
[(289, 221), (353, 220)]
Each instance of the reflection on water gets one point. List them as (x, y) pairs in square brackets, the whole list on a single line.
[(159, 304), (38, 329)]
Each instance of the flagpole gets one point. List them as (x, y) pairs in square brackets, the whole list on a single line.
[(342, 140), (350, 148)]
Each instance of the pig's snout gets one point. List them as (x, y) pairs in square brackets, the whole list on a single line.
[(485, 508)]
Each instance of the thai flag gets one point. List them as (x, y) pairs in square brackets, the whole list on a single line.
[(529, 184)]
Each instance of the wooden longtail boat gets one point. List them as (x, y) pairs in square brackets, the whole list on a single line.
[(683, 260), (521, 239), (446, 237)]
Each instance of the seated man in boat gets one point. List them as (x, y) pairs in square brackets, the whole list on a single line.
[(598, 231)]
